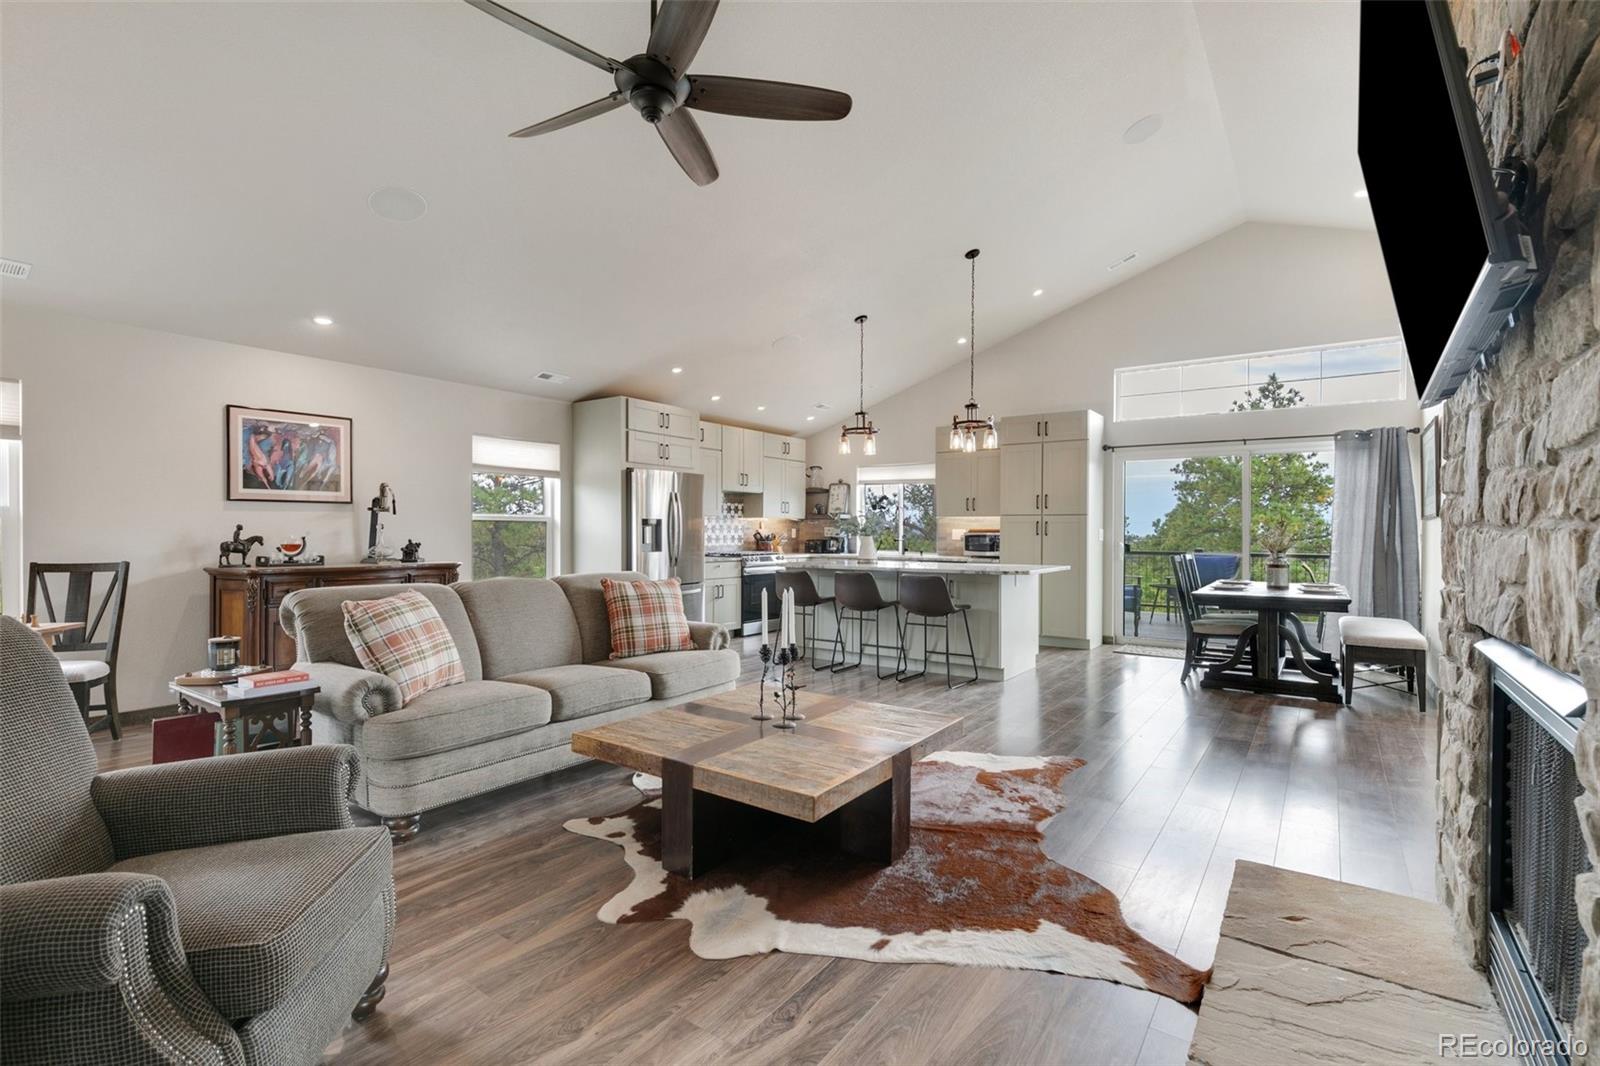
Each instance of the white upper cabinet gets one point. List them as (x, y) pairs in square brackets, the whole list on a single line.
[(708, 464), (1021, 479), (1063, 425), (1065, 481), (647, 416), (777, 446), (710, 435), (741, 458)]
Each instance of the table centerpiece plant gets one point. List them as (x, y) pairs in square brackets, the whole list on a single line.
[(864, 530), (1278, 534)]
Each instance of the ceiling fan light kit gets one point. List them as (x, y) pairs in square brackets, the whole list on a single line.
[(861, 426), (968, 431), (656, 83)]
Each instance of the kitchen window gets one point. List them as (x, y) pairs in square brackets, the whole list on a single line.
[(905, 511), (1359, 372), (516, 495)]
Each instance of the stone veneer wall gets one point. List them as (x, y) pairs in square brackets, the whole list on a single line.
[(1519, 546)]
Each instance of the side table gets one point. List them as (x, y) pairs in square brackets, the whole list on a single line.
[(251, 721)]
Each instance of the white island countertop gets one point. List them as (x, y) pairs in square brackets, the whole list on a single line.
[(961, 567)]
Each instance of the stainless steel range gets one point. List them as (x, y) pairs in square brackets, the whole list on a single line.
[(760, 573)]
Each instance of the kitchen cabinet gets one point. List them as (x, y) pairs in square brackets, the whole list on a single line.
[(1062, 425), (1021, 479), (967, 483), (647, 416), (1065, 477), (1051, 512), (653, 449), (710, 435), (742, 457), (777, 446), (784, 495), (723, 605), (708, 464)]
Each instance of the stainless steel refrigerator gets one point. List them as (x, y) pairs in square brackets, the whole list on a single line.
[(666, 534)]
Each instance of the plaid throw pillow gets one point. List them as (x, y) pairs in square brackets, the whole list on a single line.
[(403, 638), (645, 617)]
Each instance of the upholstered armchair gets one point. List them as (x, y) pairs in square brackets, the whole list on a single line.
[(218, 911)]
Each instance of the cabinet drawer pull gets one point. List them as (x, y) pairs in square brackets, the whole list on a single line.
[(1047, 501), (1036, 499), (1036, 528), (1036, 426), (1047, 527), (1047, 427)]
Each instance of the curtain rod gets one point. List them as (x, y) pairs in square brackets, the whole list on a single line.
[(1230, 440)]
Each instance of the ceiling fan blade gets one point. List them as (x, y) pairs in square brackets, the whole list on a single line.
[(682, 136), (576, 115), (753, 98), (679, 27), (548, 36)]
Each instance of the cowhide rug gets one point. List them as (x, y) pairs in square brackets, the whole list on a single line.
[(974, 888)]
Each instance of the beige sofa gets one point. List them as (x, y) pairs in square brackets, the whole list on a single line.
[(535, 654)]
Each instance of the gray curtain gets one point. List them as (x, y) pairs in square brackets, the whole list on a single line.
[(1375, 523)]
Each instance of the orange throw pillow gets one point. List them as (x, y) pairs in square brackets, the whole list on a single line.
[(403, 638)]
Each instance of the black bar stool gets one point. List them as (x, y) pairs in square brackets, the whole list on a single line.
[(806, 602), (929, 597), (858, 595)]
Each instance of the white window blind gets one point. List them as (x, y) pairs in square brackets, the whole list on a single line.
[(894, 472), (10, 409), (502, 453)]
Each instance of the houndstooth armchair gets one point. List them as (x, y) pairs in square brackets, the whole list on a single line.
[(215, 911)]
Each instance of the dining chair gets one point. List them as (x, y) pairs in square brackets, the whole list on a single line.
[(1199, 629), (1213, 566), (96, 604), (1133, 600)]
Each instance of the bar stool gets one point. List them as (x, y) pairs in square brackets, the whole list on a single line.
[(858, 594), (929, 597), (806, 602)]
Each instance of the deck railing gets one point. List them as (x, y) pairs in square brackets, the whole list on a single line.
[(1152, 572)]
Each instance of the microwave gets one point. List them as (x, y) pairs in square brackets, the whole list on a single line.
[(981, 544)]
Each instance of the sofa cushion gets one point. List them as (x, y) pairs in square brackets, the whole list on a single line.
[(588, 602), (678, 673), (454, 717), (646, 617), (522, 623), (256, 916), (315, 618), (577, 691), (403, 638)]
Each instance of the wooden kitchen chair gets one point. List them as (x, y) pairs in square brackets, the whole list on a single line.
[(101, 617)]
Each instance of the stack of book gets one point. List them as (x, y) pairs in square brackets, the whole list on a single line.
[(273, 681)]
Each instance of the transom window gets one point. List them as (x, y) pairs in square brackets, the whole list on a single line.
[(1359, 372)]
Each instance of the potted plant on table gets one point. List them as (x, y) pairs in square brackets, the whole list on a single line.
[(1278, 534), (864, 529)]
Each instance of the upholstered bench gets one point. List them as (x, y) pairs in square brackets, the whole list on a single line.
[(1387, 642)]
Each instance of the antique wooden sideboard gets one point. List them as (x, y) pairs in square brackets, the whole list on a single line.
[(245, 599)]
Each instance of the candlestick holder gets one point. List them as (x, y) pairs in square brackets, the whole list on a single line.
[(779, 664)]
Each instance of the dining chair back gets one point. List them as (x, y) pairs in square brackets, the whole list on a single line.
[(92, 594), (1214, 566), (1133, 600)]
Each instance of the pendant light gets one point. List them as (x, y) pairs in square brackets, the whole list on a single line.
[(967, 431), (861, 426)]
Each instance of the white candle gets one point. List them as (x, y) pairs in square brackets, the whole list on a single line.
[(763, 618), (788, 617)]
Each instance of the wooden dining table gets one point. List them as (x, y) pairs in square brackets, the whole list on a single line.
[(1283, 657)]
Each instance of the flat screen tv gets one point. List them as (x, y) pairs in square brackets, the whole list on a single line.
[(1458, 256)]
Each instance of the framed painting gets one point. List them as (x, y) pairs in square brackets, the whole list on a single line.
[(287, 456), (1430, 469)]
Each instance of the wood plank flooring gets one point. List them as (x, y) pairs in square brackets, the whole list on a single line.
[(498, 956)]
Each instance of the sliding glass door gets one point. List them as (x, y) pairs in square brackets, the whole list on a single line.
[(1217, 504)]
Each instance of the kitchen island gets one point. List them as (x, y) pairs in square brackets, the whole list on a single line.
[(1004, 601)]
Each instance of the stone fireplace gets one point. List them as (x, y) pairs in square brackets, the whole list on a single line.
[(1520, 521)]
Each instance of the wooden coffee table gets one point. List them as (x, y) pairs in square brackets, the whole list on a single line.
[(846, 767)]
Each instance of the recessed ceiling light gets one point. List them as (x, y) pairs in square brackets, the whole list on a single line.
[(677, 370), (761, 407), (1038, 292), (1361, 194), (811, 418), (961, 340), (397, 204), (714, 399), (1142, 130), (322, 320)]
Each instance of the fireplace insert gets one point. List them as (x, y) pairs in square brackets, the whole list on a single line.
[(1536, 848)]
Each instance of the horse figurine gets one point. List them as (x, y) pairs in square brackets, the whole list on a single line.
[(239, 546)]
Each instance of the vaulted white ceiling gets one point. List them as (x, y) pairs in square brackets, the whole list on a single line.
[(204, 168)]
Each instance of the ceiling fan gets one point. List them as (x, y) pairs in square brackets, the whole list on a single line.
[(657, 83)]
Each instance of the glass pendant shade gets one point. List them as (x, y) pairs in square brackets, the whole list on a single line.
[(871, 447), (844, 444), (968, 432), (861, 426)]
